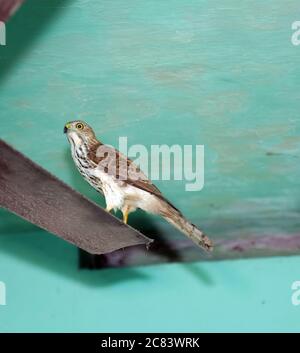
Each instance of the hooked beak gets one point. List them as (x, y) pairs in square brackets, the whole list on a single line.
[(66, 127)]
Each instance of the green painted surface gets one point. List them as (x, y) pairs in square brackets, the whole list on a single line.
[(190, 72)]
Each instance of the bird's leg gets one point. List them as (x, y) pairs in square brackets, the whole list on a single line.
[(125, 216), (125, 212)]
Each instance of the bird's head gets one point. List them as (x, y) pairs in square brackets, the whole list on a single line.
[(79, 130)]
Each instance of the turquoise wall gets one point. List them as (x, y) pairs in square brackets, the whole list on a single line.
[(191, 72)]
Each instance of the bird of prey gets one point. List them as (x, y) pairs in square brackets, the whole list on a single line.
[(124, 186)]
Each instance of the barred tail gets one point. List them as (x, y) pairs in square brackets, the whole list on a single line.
[(174, 217)]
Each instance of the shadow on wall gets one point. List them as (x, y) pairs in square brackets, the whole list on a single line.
[(25, 27), (25, 242)]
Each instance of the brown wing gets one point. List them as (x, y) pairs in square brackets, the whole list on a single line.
[(121, 167)]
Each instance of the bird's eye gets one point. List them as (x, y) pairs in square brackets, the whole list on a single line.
[(79, 126)]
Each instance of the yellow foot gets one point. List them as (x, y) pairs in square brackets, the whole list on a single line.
[(108, 209)]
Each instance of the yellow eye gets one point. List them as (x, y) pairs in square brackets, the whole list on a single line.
[(79, 126)]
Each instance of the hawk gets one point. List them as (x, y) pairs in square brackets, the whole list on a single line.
[(124, 186)]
